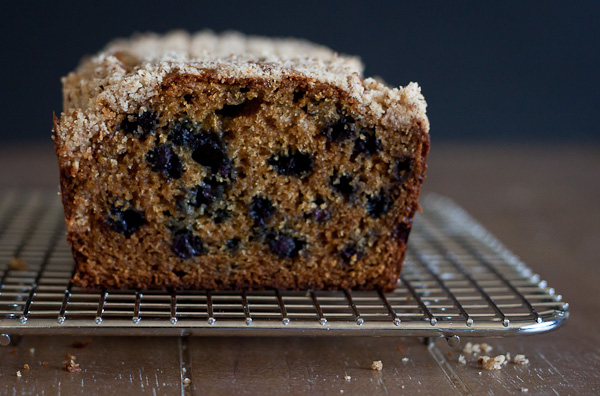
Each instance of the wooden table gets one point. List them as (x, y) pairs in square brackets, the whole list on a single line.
[(543, 202)]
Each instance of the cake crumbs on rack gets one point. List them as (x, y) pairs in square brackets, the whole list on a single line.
[(26, 366), (347, 378), (462, 360), (524, 390), (19, 373), (17, 264), (187, 381), (377, 365)]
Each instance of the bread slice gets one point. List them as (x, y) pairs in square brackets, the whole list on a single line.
[(221, 161)]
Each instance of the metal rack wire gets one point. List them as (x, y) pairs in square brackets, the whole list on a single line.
[(457, 280)]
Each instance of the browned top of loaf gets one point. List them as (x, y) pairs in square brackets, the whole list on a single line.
[(122, 77)]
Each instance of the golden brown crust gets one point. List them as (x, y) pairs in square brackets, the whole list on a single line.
[(103, 167)]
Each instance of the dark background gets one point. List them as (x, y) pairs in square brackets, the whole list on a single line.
[(525, 71)]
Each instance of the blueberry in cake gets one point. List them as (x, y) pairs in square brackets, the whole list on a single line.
[(222, 161)]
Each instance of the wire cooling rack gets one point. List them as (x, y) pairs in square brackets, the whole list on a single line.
[(457, 280)]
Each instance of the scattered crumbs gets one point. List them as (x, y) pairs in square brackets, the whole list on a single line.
[(507, 354), (44, 363), (13, 351), (520, 359), (70, 364), (402, 386), (405, 359), (19, 373), (32, 350), (184, 370), (449, 353), (377, 365), (187, 381), (477, 348), (480, 373), (26, 366), (524, 390), (408, 298), (17, 264), (81, 344), (341, 391), (494, 363), (461, 359), (347, 378), (400, 349)]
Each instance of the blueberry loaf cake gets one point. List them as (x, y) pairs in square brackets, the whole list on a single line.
[(221, 161)]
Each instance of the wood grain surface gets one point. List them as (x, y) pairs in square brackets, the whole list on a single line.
[(543, 202)]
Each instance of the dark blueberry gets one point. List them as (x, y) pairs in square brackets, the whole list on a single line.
[(402, 231), (285, 245), (233, 244), (221, 215), (320, 215), (342, 184), (125, 221), (342, 129), (348, 252), (209, 152), (379, 204), (261, 210), (296, 164), (182, 134), (245, 108), (369, 145), (188, 98), (403, 167), (163, 159), (244, 89), (186, 244), (208, 192), (145, 121)]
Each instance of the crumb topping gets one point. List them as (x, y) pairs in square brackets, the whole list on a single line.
[(127, 73)]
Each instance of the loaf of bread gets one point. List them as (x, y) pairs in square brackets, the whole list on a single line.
[(220, 161)]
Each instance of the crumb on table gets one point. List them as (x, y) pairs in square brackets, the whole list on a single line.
[(377, 365), (70, 364), (81, 344), (347, 378), (477, 348), (494, 363), (520, 359)]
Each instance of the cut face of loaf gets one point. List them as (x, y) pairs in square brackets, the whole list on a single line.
[(209, 176)]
